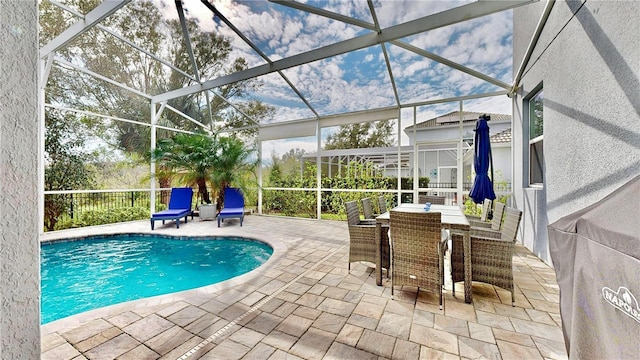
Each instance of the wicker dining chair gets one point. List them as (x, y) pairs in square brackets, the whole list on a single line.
[(362, 241), (367, 208), (382, 204), (480, 220), (496, 220), (417, 251), (491, 254), (433, 199)]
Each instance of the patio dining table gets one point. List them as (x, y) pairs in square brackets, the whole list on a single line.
[(453, 218)]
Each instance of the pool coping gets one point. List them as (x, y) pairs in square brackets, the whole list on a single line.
[(70, 322)]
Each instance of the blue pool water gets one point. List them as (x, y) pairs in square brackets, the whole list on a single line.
[(82, 275)]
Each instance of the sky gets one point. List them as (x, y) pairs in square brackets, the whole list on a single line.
[(360, 80)]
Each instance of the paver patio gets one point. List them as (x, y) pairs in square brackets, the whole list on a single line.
[(305, 304)]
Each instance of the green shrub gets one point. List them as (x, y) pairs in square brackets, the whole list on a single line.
[(471, 208), (355, 176), (104, 216)]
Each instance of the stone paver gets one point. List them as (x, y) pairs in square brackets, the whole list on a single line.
[(544, 331), (124, 319), (436, 339), (340, 351), (140, 353), (294, 325), (306, 304), (98, 339), (86, 331), (228, 350), (514, 351), (481, 332), (350, 334), (63, 351), (405, 350), (51, 341), (330, 322), (168, 340), (551, 349), (186, 316), (451, 325), (260, 352), (280, 340), (395, 325), (475, 349), (247, 337), (148, 327), (377, 343), (313, 344), (113, 348)]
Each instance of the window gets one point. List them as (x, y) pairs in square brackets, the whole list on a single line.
[(536, 133)]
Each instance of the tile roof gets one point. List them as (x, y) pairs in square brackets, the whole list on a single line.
[(503, 136), (470, 116)]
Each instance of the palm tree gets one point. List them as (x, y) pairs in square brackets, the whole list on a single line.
[(201, 159), (233, 165), (191, 157)]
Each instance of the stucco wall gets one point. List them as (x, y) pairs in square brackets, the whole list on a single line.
[(19, 247), (587, 60), (501, 154), (452, 132)]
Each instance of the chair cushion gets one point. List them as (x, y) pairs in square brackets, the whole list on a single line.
[(231, 211), (170, 213), (181, 198)]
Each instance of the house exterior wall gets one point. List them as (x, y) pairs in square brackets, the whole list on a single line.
[(20, 255), (587, 62), (501, 154), (451, 132)]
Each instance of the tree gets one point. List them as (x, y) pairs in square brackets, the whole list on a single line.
[(191, 157), (201, 159), (67, 166), (361, 135), (291, 162), (232, 165), (142, 23)]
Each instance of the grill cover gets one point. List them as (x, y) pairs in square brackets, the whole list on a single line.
[(596, 255)]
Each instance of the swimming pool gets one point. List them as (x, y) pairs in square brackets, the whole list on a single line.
[(94, 272)]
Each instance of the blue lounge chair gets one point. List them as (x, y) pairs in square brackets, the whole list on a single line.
[(179, 206), (233, 205)]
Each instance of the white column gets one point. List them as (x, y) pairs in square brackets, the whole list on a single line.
[(43, 75), (460, 160), (259, 176), (416, 163), (318, 171), (399, 158), (153, 162)]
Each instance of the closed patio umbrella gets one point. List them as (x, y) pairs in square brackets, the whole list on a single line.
[(482, 186)]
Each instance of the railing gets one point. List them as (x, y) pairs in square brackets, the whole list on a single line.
[(77, 208), (498, 187), (77, 202), (70, 205)]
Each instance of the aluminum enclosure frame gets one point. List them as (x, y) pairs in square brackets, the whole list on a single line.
[(377, 37)]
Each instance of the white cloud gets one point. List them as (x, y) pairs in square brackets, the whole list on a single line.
[(359, 81), (399, 11)]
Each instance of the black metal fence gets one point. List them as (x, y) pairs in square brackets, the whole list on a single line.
[(73, 204)]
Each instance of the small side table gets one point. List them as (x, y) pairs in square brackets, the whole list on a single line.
[(207, 211)]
